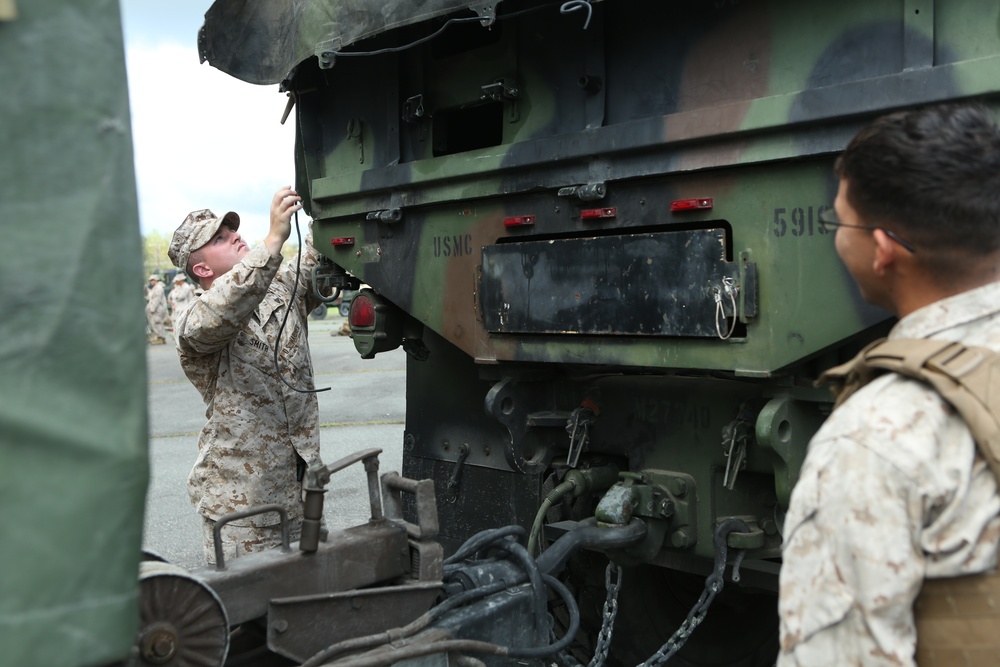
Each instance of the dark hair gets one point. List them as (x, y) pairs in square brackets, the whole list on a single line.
[(932, 175)]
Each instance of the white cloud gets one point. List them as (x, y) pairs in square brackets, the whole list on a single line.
[(204, 139)]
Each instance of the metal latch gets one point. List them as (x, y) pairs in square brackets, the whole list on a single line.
[(499, 91), (588, 192), (388, 215), (413, 109)]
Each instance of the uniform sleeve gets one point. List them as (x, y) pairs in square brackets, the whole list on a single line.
[(212, 320), (852, 564)]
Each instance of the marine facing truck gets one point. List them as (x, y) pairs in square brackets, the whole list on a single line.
[(595, 229)]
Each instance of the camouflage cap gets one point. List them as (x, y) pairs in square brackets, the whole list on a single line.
[(179, 277), (197, 229), (153, 277)]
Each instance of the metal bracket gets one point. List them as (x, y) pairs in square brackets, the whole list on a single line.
[(487, 13), (388, 215), (588, 192), (413, 109), (507, 401), (355, 130), (451, 489), (499, 91)]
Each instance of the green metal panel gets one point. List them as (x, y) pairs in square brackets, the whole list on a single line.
[(73, 429), (744, 102)]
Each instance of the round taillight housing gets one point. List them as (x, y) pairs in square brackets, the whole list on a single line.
[(362, 312)]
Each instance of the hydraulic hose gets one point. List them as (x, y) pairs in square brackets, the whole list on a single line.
[(450, 645), (554, 495), (578, 482)]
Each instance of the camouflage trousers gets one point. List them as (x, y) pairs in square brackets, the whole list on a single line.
[(241, 540)]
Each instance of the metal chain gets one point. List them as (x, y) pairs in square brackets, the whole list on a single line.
[(603, 644), (713, 585), (610, 611)]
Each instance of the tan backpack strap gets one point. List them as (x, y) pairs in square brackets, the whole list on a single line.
[(966, 377), (850, 376)]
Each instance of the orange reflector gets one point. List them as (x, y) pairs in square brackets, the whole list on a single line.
[(690, 204), (362, 312), (519, 221), (592, 213), (342, 240)]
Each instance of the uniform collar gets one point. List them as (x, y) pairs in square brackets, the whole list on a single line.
[(951, 312)]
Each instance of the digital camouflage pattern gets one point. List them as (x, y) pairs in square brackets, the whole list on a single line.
[(241, 540), (180, 296), (612, 204), (258, 428), (891, 491), (156, 311)]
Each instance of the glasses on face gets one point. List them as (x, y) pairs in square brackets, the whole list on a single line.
[(829, 221)]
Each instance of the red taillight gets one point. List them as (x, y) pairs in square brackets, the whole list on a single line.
[(342, 240), (691, 204), (362, 312), (519, 221), (592, 213)]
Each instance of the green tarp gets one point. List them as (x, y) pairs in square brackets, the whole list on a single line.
[(73, 424)]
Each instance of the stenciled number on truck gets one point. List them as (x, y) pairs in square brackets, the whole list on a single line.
[(799, 221)]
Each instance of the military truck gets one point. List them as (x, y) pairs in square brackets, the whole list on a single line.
[(594, 228)]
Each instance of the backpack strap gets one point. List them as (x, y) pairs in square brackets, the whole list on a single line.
[(967, 377)]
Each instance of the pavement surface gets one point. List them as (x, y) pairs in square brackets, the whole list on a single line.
[(364, 408)]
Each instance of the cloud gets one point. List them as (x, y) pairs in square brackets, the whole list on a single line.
[(203, 139)]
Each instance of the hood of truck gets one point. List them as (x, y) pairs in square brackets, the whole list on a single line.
[(261, 41)]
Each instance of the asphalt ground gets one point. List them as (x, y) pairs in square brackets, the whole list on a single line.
[(364, 408)]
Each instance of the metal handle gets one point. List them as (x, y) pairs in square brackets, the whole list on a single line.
[(393, 485), (220, 562), (315, 481)]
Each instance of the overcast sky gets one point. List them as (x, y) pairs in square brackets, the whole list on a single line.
[(202, 138)]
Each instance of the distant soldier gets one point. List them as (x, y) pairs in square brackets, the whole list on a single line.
[(156, 311), (181, 295)]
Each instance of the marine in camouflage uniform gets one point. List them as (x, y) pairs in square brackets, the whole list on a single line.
[(156, 311), (892, 490), (181, 295), (261, 433)]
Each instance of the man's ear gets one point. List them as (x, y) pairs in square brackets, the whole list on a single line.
[(886, 252), (201, 270)]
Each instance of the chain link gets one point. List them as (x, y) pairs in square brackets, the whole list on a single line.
[(713, 585), (694, 618), (603, 644), (610, 611)]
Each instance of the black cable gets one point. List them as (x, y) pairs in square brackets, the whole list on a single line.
[(464, 19), (520, 554), (472, 646), (291, 304), (397, 49), (484, 538), (571, 630), (421, 622)]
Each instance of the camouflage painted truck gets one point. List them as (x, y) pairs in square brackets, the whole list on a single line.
[(595, 229)]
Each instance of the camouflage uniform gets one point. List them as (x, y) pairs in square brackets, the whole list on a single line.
[(891, 491), (156, 312), (259, 430), (180, 296)]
